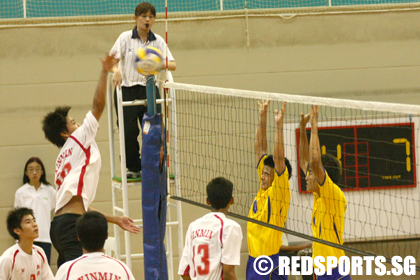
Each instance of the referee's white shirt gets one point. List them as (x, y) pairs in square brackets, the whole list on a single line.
[(93, 266), (42, 201), (124, 50)]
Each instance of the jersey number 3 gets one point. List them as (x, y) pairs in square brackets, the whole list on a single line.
[(203, 267), (63, 174)]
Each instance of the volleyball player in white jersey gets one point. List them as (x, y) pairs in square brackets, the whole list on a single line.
[(77, 170), (92, 230), (213, 242), (24, 260), (132, 83)]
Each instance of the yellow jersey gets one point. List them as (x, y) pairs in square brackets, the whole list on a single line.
[(270, 206), (328, 219)]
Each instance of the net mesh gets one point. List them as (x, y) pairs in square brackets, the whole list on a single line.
[(16, 13), (376, 144)]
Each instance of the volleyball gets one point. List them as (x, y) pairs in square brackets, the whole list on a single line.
[(148, 60)]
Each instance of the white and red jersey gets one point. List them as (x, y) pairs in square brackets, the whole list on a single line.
[(15, 264), (78, 165), (211, 241), (94, 266)]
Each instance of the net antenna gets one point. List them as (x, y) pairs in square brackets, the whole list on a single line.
[(376, 144)]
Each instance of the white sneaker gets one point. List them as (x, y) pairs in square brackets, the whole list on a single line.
[(133, 174)]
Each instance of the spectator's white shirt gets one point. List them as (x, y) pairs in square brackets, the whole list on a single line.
[(42, 201)]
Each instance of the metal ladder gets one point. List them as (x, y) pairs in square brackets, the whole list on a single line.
[(121, 185)]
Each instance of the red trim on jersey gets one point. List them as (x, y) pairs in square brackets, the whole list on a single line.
[(71, 266), (14, 258), (186, 271), (43, 260), (128, 276), (83, 171), (221, 229)]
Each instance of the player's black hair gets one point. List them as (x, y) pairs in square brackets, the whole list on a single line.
[(55, 123), (14, 219), (143, 8), (92, 230), (269, 161), (332, 166), (289, 167), (43, 178), (219, 192)]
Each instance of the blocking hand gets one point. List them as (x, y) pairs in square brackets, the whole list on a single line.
[(279, 116), (262, 107)]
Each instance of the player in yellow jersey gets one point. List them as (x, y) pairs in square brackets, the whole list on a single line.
[(322, 176), (271, 204)]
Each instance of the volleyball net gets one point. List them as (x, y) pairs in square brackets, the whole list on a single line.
[(18, 13), (375, 143)]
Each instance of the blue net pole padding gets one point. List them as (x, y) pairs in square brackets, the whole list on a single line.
[(151, 95), (154, 191)]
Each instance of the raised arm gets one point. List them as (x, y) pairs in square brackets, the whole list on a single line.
[(315, 148), (303, 143), (99, 99), (278, 154), (260, 143)]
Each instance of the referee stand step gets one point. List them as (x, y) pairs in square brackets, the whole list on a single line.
[(129, 180), (117, 181)]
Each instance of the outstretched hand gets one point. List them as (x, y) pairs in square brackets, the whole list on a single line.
[(108, 62), (127, 224), (304, 119), (279, 116), (314, 114), (263, 106), (117, 79)]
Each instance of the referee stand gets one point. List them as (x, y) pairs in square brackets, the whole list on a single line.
[(158, 261)]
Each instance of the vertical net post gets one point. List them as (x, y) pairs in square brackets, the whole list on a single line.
[(154, 189), (151, 95)]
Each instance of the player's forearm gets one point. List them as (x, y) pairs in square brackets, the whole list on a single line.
[(99, 99), (303, 149), (314, 148), (294, 248), (260, 142), (229, 272), (229, 276), (110, 218), (279, 149), (171, 65)]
